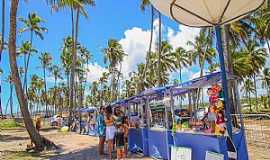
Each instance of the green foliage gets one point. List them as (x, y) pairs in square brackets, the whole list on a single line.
[(8, 123)]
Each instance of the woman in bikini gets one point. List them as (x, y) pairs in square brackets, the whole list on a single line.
[(110, 129)]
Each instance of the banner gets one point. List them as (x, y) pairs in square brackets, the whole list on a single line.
[(213, 156), (180, 153)]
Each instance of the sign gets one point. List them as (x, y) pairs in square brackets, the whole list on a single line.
[(213, 156), (180, 153)]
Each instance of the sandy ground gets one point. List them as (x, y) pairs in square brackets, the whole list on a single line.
[(81, 147), (72, 146)]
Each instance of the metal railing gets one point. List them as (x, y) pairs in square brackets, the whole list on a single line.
[(257, 128)]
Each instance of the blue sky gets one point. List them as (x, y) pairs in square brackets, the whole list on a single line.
[(123, 21), (106, 20)]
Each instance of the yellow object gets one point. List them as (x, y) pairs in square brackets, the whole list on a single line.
[(220, 105), (64, 129), (218, 130)]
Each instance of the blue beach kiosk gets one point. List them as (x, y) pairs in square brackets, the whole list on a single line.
[(157, 142), (202, 13)]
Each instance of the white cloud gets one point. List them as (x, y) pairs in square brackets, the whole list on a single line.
[(135, 44), (95, 72), (182, 36)]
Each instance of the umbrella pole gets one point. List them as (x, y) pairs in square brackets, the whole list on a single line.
[(224, 79)]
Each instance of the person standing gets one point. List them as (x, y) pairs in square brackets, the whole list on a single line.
[(101, 130), (110, 129)]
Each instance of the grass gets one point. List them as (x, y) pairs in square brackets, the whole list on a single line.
[(8, 124)]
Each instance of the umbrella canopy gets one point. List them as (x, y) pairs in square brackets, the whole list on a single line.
[(202, 13)]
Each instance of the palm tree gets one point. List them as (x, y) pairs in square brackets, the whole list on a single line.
[(10, 81), (145, 3), (257, 56), (114, 55), (1, 111), (248, 88), (201, 52), (78, 7), (182, 59), (45, 59), (265, 78), (34, 135), (31, 24), (3, 28), (37, 84), (56, 73), (26, 50)]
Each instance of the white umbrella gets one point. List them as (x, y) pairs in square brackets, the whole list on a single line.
[(207, 13), (201, 13)]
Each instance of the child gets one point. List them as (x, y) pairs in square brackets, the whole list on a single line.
[(120, 140), (126, 127)]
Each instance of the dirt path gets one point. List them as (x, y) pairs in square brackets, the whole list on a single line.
[(74, 146)]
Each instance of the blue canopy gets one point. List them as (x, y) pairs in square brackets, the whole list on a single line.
[(88, 109), (182, 88)]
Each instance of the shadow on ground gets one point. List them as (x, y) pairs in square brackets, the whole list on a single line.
[(89, 153), (10, 138)]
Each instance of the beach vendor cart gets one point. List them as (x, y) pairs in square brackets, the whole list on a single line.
[(162, 139), (88, 120), (214, 14)]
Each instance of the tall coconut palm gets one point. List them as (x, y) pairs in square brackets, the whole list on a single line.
[(248, 88), (56, 73), (145, 3), (114, 55), (1, 110), (26, 49), (77, 6), (32, 25), (3, 28), (265, 78), (201, 52), (37, 84), (39, 142), (257, 56), (45, 60), (182, 60), (10, 82)]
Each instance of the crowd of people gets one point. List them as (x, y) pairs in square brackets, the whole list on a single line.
[(112, 128)]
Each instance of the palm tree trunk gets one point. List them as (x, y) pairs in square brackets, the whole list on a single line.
[(71, 83), (3, 28), (199, 89), (2, 47), (180, 74), (150, 44), (249, 99), (45, 90), (54, 94), (255, 88), (11, 99), (27, 65), (74, 60), (159, 50), (34, 135)]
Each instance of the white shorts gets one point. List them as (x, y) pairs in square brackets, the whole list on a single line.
[(110, 132)]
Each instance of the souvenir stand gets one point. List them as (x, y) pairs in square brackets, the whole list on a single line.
[(135, 109), (88, 115), (157, 141)]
